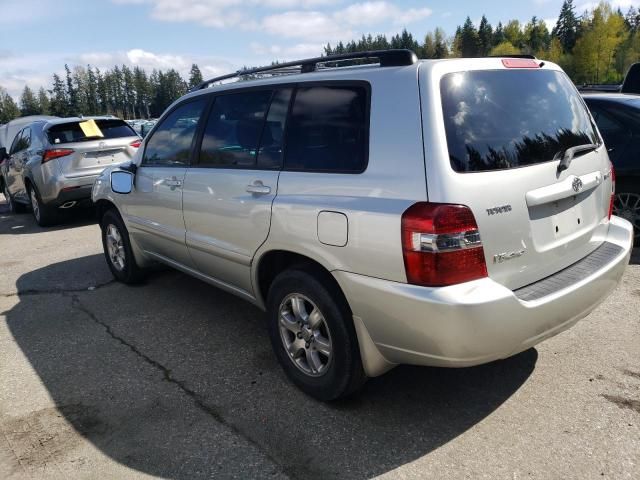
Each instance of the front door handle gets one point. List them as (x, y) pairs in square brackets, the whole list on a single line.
[(173, 182), (259, 188)]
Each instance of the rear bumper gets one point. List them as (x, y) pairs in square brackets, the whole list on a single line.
[(474, 322), (61, 190)]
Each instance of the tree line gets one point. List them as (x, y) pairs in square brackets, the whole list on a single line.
[(596, 46), (122, 91)]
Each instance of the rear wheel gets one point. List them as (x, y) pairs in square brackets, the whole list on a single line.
[(14, 207), (313, 337), (117, 249), (42, 213)]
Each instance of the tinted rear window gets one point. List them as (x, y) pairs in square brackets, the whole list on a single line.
[(328, 130), (499, 119), (71, 132)]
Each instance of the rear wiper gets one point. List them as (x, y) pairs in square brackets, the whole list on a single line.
[(567, 155)]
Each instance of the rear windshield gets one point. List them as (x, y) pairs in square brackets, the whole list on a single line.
[(500, 119), (72, 133)]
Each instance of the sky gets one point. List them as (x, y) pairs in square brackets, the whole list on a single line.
[(37, 37)]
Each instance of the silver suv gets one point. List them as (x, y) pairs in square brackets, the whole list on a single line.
[(52, 163), (445, 213)]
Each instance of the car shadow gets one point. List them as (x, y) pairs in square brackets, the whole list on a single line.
[(176, 378), (24, 223), (635, 256)]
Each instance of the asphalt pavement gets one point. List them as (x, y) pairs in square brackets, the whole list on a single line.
[(176, 379)]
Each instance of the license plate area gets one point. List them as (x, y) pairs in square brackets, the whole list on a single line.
[(104, 156), (562, 220)]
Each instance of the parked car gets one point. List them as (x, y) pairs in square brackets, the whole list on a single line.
[(618, 118), (52, 164), (446, 213), (9, 130)]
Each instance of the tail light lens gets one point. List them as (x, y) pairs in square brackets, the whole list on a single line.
[(55, 153), (441, 245), (613, 190), (136, 143)]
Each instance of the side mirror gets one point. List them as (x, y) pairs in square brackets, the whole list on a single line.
[(3, 154), (121, 181)]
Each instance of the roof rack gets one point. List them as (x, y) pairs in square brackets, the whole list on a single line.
[(386, 58)]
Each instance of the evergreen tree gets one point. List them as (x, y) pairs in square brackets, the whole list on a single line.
[(28, 102), (485, 36), (43, 102), (8, 107), (566, 28), (498, 35), (195, 76), (469, 41), (536, 36), (71, 93), (92, 100), (59, 102), (428, 49), (441, 48)]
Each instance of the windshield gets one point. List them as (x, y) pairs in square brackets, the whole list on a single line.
[(500, 119), (71, 132)]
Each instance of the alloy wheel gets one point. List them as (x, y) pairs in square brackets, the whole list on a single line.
[(115, 247), (627, 206), (35, 205), (305, 335)]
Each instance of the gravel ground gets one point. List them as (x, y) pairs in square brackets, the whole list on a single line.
[(176, 379)]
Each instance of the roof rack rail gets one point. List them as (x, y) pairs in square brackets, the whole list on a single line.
[(386, 58), (518, 55)]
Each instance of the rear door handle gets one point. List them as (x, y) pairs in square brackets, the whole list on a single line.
[(259, 188)]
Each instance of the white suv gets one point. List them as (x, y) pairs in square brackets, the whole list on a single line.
[(444, 213)]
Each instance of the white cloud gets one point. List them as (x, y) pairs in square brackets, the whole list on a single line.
[(372, 13), (550, 22), (311, 20), (290, 52), (622, 4), (308, 25)]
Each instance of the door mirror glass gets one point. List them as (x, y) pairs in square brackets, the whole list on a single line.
[(121, 182)]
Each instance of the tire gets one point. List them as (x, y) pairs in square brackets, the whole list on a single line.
[(318, 352), (627, 205), (44, 215), (14, 207), (117, 249)]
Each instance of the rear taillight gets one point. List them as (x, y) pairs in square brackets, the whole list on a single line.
[(441, 245), (55, 153), (136, 143), (613, 191)]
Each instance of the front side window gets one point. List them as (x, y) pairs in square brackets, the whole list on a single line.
[(235, 125), (171, 142), (15, 145), (328, 129), (501, 119)]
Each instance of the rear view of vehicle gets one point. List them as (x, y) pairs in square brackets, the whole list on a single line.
[(66, 156), (517, 241)]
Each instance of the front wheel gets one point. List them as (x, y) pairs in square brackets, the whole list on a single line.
[(313, 336), (117, 249)]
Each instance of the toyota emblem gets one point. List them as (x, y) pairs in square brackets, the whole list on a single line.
[(577, 185)]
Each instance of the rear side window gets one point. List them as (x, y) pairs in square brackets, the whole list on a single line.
[(234, 128), (71, 132), (328, 129), (500, 119), (170, 144)]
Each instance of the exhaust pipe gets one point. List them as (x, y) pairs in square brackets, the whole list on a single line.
[(67, 204)]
